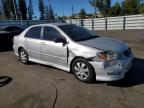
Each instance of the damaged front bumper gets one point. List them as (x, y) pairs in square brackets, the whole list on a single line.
[(112, 70)]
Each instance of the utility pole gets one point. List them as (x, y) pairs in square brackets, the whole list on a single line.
[(72, 11), (49, 10), (63, 13), (15, 11)]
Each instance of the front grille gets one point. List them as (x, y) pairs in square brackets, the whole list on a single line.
[(127, 52)]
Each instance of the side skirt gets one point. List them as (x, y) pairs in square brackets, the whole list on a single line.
[(50, 64)]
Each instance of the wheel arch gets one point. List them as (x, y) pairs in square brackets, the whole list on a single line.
[(76, 57), (91, 67), (20, 49)]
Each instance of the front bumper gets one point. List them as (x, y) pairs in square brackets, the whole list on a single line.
[(115, 71)]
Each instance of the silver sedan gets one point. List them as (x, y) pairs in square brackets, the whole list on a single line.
[(74, 49)]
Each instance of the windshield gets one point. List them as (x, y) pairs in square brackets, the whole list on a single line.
[(77, 33)]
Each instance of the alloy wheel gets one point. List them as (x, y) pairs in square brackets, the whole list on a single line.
[(81, 70)]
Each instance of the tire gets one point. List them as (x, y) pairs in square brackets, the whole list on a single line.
[(23, 55), (83, 70)]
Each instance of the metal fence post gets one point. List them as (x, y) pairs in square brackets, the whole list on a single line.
[(82, 22), (105, 23), (124, 23), (92, 24)]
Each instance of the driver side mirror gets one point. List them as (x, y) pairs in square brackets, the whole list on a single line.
[(60, 40)]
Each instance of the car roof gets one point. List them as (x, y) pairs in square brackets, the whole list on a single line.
[(18, 26)]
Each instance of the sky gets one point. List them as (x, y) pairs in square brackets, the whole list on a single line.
[(64, 7)]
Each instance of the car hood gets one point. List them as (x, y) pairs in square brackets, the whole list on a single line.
[(106, 44)]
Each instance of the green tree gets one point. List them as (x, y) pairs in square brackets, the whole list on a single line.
[(106, 7), (131, 6), (1, 9), (82, 13), (22, 9), (46, 12), (123, 8), (30, 10), (50, 13), (101, 5), (97, 5), (1, 13), (60, 17), (115, 9), (15, 9), (141, 8), (52, 16), (8, 9), (42, 9)]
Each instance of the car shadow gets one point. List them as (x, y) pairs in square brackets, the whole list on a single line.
[(135, 76), (4, 80)]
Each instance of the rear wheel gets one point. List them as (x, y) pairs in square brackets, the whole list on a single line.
[(23, 55), (83, 70)]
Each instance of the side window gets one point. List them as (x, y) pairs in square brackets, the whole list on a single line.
[(50, 34), (34, 32)]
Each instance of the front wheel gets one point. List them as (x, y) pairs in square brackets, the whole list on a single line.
[(23, 55), (83, 70)]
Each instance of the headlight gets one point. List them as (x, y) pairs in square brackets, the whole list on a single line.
[(106, 56)]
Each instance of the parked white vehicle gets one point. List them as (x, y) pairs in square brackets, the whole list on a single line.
[(75, 49)]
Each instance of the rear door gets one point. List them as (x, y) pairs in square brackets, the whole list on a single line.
[(32, 42)]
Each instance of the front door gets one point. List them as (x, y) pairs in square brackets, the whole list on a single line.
[(53, 52)]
